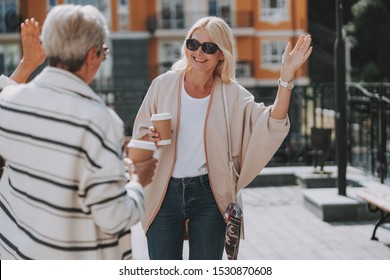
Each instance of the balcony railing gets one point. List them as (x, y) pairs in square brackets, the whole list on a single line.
[(236, 19)]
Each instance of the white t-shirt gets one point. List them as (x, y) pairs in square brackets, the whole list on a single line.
[(190, 154)]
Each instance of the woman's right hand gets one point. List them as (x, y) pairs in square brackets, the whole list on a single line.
[(33, 52), (153, 135)]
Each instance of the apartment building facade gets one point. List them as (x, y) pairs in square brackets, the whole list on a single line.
[(146, 37)]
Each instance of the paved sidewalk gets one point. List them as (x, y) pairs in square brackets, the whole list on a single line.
[(278, 226)]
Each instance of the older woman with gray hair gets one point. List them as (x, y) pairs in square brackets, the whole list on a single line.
[(193, 180), (64, 193)]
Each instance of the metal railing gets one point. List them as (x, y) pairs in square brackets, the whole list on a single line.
[(311, 109), (368, 124), (236, 19), (369, 128)]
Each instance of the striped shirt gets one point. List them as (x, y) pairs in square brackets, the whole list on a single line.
[(63, 193)]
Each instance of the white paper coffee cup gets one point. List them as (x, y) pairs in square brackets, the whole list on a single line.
[(139, 151), (162, 123)]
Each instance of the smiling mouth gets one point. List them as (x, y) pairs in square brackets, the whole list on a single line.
[(199, 59)]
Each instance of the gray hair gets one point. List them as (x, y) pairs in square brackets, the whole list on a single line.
[(222, 35), (69, 32)]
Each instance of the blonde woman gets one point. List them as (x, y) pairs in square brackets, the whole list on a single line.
[(193, 181)]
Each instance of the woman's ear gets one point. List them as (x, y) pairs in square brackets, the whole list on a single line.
[(91, 57)]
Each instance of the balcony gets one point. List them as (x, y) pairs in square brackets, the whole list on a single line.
[(174, 21)]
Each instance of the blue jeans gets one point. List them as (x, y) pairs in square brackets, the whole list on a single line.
[(187, 198)]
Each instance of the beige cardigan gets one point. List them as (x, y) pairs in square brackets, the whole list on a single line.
[(255, 138)]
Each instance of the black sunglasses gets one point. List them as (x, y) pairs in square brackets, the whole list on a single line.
[(207, 47)]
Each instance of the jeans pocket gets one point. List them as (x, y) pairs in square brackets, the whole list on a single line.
[(204, 182)]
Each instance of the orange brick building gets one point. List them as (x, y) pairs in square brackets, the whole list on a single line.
[(145, 37), (156, 28)]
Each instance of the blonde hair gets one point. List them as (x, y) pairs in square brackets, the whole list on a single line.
[(222, 35)]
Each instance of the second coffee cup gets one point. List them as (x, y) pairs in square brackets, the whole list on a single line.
[(162, 124), (139, 151)]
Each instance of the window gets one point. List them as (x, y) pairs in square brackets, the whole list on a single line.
[(274, 10), (169, 51), (220, 8), (51, 4), (123, 15), (9, 58), (271, 54), (9, 16), (244, 69), (104, 6), (172, 14)]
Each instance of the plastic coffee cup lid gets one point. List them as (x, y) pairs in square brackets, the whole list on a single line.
[(146, 145), (161, 117)]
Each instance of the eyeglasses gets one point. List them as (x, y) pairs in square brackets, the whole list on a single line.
[(105, 50), (207, 47)]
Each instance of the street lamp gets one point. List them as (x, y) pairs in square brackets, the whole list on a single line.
[(341, 102)]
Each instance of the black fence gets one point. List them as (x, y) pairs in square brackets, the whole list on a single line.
[(369, 128), (311, 140)]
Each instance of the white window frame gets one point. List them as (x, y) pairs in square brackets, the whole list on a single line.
[(274, 10), (220, 5), (174, 21), (271, 54), (104, 7), (124, 15)]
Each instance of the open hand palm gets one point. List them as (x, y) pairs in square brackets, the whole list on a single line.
[(293, 59)]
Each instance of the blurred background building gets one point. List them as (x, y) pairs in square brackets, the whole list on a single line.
[(146, 37)]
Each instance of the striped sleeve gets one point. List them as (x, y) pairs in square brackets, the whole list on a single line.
[(102, 189), (5, 81), (136, 193)]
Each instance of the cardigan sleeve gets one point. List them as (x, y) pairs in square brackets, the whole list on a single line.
[(262, 136), (148, 107)]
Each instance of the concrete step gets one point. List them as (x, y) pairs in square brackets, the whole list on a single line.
[(321, 193), (329, 206)]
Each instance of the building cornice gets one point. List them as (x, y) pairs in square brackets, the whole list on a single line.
[(9, 37), (129, 35), (280, 33)]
